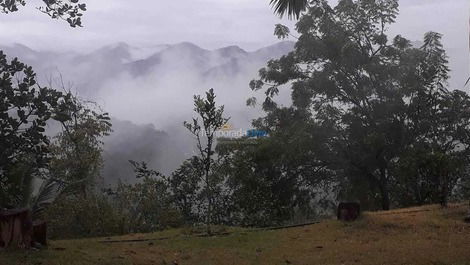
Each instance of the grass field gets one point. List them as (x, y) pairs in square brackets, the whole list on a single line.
[(425, 235)]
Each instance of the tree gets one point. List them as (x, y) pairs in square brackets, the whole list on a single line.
[(25, 109), (431, 168), (77, 148), (185, 188), (25, 112), (436, 155), (204, 132), (340, 64), (148, 203), (67, 10), (282, 176), (346, 73), (27, 154)]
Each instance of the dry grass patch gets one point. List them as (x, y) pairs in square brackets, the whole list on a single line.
[(422, 235)]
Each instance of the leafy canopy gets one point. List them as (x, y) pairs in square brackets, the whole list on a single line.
[(70, 11), (383, 98)]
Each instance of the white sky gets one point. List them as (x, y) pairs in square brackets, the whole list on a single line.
[(209, 23)]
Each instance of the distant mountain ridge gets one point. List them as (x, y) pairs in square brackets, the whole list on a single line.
[(152, 85), (91, 69), (129, 54)]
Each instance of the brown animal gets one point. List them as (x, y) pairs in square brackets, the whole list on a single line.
[(349, 211)]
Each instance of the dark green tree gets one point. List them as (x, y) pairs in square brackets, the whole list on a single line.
[(25, 109), (346, 73), (185, 188), (280, 177), (27, 154), (436, 154), (344, 64), (430, 169)]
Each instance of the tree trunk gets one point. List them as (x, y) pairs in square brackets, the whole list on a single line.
[(444, 191), (385, 201), (384, 192), (209, 190), (209, 216), (209, 208)]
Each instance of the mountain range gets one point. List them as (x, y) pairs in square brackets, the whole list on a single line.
[(149, 93), (90, 70)]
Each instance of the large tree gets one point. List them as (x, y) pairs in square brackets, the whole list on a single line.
[(25, 109), (345, 71), (26, 151)]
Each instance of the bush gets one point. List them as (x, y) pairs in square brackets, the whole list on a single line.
[(94, 216)]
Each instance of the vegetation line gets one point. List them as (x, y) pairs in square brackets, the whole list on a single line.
[(406, 212), (135, 240), (207, 235), (287, 226)]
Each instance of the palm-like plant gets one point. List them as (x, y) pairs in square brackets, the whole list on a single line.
[(48, 191), (292, 8)]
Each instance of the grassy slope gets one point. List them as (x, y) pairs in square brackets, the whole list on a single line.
[(426, 235)]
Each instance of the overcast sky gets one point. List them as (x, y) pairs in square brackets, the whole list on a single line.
[(209, 23), (213, 24)]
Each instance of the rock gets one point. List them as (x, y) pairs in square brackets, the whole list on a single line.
[(349, 211)]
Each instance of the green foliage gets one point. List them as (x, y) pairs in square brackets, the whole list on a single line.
[(70, 11), (47, 193), (77, 149), (77, 216), (25, 109), (24, 113), (384, 101), (71, 162), (185, 188), (281, 31), (147, 206), (278, 178), (131, 208), (212, 120), (292, 8), (431, 167)]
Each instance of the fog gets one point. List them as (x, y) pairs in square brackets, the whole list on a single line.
[(149, 93), (137, 66)]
